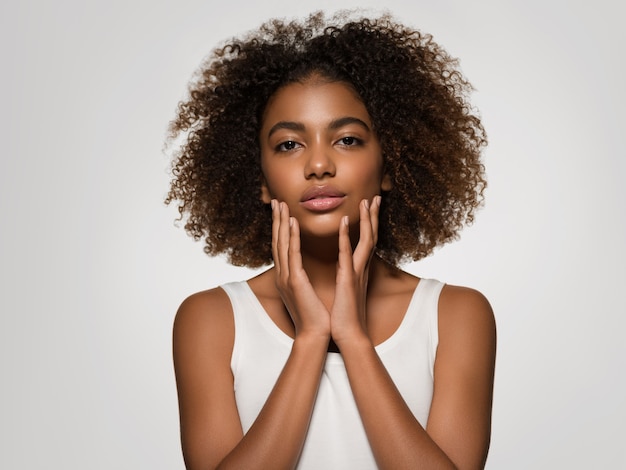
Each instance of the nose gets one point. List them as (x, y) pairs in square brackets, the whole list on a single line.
[(319, 163)]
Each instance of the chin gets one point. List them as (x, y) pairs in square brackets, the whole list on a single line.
[(320, 228)]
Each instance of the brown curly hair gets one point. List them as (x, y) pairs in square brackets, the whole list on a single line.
[(430, 136)]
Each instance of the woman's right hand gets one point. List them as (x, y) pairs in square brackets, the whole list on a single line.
[(308, 313)]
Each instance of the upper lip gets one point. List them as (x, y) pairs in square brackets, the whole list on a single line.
[(317, 192)]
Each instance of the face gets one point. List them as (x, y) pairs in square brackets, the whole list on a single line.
[(319, 154)]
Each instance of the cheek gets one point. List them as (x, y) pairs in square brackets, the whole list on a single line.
[(267, 183), (369, 174), (277, 181)]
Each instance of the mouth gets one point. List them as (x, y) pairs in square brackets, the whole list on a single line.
[(322, 198)]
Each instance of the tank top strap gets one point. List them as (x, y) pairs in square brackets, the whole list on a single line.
[(425, 307), (254, 329)]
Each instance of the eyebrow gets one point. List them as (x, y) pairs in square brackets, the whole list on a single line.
[(344, 121), (334, 125), (290, 125)]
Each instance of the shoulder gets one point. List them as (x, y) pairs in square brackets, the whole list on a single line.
[(204, 320), (464, 306), (466, 322), (202, 308)]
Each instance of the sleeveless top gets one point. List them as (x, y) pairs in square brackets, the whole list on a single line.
[(336, 437)]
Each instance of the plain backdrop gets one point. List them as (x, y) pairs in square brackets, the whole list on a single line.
[(93, 266)]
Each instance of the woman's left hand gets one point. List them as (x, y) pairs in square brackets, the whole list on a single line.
[(348, 313)]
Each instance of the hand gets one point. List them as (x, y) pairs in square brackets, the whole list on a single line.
[(308, 313), (348, 313)]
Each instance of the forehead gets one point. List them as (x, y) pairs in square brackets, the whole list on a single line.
[(314, 101)]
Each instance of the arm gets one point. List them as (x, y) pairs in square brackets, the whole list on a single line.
[(202, 343), (211, 433), (458, 429), (203, 340), (460, 415)]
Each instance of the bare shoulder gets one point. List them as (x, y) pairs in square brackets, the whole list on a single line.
[(467, 332), (204, 320), (203, 308), (465, 311)]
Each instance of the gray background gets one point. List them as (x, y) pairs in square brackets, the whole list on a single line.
[(92, 267)]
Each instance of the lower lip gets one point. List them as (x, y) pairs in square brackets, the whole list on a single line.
[(322, 204)]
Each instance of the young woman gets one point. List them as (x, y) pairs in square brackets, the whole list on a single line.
[(334, 149)]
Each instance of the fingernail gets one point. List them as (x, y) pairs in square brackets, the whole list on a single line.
[(280, 206), (367, 204), (346, 220), (377, 200), (273, 204)]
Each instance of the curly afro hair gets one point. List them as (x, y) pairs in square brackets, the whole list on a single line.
[(430, 137)]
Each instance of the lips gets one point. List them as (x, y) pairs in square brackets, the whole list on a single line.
[(322, 198), (320, 192)]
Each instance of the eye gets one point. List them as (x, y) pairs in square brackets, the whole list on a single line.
[(287, 146), (349, 141)]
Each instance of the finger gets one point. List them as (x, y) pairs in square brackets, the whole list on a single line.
[(345, 248), (275, 228), (283, 239), (374, 213), (364, 248), (295, 256)]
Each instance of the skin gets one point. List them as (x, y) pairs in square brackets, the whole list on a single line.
[(326, 284)]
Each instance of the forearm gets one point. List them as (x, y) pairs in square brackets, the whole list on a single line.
[(397, 439), (276, 438)]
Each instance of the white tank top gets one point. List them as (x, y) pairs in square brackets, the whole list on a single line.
[(336, 438)]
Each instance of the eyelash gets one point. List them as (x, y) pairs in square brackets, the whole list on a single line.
[(292, 143), (289, 145), (354, 141)]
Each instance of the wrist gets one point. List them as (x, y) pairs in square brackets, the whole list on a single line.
[(356, 341), (311, 339)]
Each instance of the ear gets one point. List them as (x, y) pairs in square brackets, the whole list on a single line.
[(266, 197), (386, 183)]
